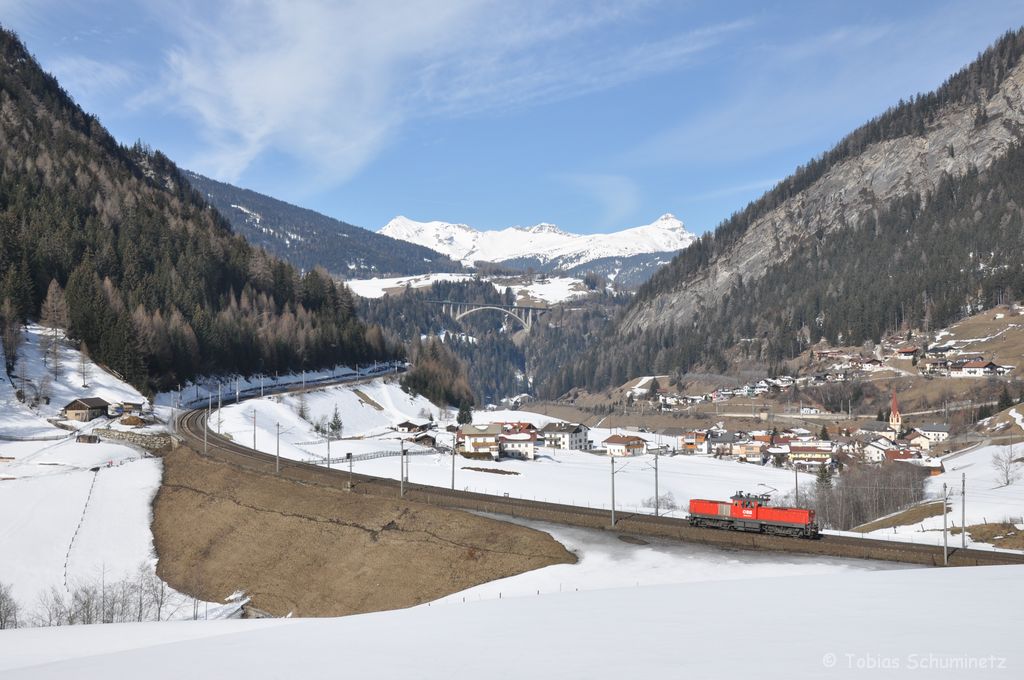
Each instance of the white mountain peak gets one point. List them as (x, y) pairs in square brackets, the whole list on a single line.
[(542, 241)]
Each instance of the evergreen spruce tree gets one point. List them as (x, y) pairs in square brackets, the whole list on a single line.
[(824, 478), (335, 422), (1005, 400)]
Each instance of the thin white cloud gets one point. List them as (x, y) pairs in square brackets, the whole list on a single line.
[(725, 192), (330, 85), (617, 195), (90, 78)]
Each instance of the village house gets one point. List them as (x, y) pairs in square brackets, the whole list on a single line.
[(924, 436), (917, 440), (478, 440), (410, 426), (750, 451), (125, 408), (979, 368), (936, 367), (86, 409), (906, 353), (522, 444), (565, 436), (940, 350), (721, 444), (675, 435), (874, 452), (899, 454), (810, 453), (625, 445), (425, 439), (694, 442)]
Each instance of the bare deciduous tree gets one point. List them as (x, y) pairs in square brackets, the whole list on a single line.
[(140, 597), (1007, 467), (54, 316), (8, 608), (861, 494), (10, 334)]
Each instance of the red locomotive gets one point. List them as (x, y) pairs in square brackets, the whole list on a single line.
[(750, 512)]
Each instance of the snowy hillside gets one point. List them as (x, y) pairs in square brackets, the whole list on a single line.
[(948, 623), (72, 515), (369, 414), (544, 243), (550, 290), (988, 499)]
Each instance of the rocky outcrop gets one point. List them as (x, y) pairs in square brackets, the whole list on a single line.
[(848, 192)]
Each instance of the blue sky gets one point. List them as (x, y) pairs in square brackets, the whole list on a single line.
[(593, 116)]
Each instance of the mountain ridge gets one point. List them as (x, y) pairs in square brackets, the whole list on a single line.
[(149, 276), (547, 248), (309, 239), (909, 221)]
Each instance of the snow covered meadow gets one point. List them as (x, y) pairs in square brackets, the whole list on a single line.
[(369, 414), (987, 500), (579, 619), (550, 290), (930, 623), (72, 515)]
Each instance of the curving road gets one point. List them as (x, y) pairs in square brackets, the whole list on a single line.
[(191, 425)]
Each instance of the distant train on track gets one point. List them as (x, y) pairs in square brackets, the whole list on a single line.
[(750, 512)]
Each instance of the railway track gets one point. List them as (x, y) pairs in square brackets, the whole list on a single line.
[(190, 428)]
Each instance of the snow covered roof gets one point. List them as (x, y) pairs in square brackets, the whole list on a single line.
[(624, 439), (88, 402), (519, 437), (488, 430)]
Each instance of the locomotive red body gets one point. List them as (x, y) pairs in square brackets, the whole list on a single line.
[(750, 512)]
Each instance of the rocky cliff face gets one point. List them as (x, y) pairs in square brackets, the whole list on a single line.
[(957, 139)]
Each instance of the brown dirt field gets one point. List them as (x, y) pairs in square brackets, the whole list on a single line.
[(909, 516), (999, 534), (316, 551), (493, 471), (365, 399)]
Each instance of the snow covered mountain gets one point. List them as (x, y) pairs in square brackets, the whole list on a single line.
[(542, 245)]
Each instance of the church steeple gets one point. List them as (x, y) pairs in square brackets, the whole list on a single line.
[(895, 417)]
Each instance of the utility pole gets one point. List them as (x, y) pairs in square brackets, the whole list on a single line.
[(277, 456), (349, 455), (401, 469), (254, 429), (328, 450), (206, 423), (796, 484), (657, 500), (945, 534), (261, 384), (219, 402), (453, 468), (611, 459), (963, 509)]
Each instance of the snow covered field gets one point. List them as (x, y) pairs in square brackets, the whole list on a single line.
[(561, 476), (934, 623), (378, 287), (606, 561), (34, 377), (988, 500), (550, 290), (70, 514)]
